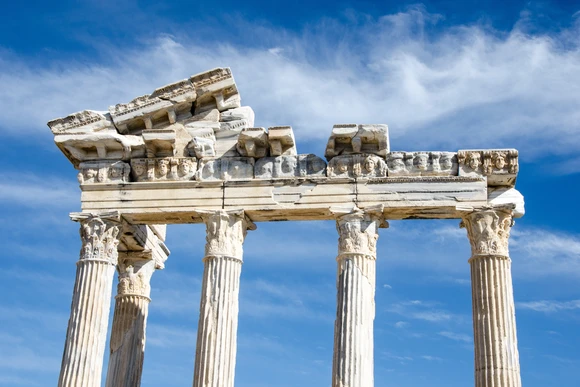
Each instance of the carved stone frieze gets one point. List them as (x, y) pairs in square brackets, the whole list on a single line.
[(226, 168), (165, 168), (500, 166), (225, 232), (99, 236), (354, 139), (488, 230), (86, 121), (357, 166), (422, 164), (134, 276), (288, 167), (91, 172), (215, 89)]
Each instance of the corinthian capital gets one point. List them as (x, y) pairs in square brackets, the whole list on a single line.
[(226, 231), (358, 231), (488, 230), (135, 275), (99, 236)]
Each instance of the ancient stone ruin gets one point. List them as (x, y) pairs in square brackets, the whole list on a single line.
[(190, 153)]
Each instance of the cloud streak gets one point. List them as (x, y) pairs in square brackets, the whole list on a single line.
[(464, 86)]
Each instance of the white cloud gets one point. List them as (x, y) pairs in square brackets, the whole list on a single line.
[(456, 336), (548, 306), (465, 86), (35, 191), (426, 311)]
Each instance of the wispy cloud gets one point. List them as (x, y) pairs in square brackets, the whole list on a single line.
[(547, 306), (426, 311), (384, 70), (456, 336)]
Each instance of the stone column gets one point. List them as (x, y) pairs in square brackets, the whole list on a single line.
[(86, 336), (130, 320), (353, 329), (215, 356), (494, 323)]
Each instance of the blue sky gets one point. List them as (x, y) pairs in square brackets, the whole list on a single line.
[(444, 75)]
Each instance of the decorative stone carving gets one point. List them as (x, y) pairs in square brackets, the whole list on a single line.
[(500, 166), (353, 139), (128, 333), (226, 231), (494, 325), (357, 166), (253, 142), (236, 114), (226, 168), (103, 145), (489, 230), (92, 172), (281, 140), (159, 142), (164, 106), (289, 167), (215, 355), (203, 143), (353, 329), (167, 168), (215, 89), (82, 360), (422, 164), (135, 276), (99, 235), (87, 121)]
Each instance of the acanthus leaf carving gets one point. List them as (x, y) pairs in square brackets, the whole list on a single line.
[(225, 232), (134, 275), (358, 233), (99, 236), (488, 230)]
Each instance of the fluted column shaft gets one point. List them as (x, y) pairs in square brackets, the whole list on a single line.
[(353, 329), (86, 337), (130, 320), (215, 356), (494, 323)]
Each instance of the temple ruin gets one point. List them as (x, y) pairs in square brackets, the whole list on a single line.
[(190, 153)]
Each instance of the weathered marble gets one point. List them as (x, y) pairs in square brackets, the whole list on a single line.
[(253, 142), (86, 335), (357, 166), (352, 139), (422, 164), (227, 168), (189, 153), (289, 167), (91, 172), (353, 363), (282, 141), (500, 166), (215, 355), (494, 323), (163, 169), (216, 89)]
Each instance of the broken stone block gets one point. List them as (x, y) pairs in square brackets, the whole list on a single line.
[(253, 142), (281, 140)]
